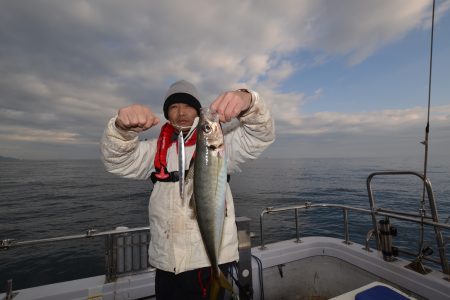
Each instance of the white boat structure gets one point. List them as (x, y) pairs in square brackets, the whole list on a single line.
[(314, 267)]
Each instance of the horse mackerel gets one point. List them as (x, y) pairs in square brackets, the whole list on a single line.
[(210, 180)]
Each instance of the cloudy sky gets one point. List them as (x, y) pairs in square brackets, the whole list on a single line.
[(342, 78)]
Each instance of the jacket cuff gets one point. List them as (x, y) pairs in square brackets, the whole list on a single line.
[(246, 112)]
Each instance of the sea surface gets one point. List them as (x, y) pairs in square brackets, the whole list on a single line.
[(42, 199)]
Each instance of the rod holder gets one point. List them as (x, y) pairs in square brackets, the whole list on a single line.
[(386, 233)]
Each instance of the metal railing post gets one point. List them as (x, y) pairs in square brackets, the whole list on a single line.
[(297, 233), (261, 217), (346, 233)]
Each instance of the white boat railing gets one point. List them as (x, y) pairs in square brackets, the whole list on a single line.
[(374, 212), (422, 212), (90, 233), (126, 251), (125, 248)]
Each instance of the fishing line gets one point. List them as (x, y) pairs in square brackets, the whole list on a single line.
[(427, 132), (181, 128)]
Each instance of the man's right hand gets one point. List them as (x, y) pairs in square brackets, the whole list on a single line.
[(136, 118)]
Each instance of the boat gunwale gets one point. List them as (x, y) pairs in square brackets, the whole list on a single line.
[(433, 285)]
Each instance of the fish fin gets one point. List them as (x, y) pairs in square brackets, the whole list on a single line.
[(190, 174), (193, 207), (190, 191), (217, 283), (189, 185)]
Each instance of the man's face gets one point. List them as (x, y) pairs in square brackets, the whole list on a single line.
[(181, 114)]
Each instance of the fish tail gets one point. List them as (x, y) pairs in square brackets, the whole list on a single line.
[(217, 283)]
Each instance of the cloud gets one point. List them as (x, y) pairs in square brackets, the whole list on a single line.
[(69, 65), (374, 122), (365, 134), (359, 28), (37, 135)]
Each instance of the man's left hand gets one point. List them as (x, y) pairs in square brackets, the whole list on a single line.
[(231, 104)]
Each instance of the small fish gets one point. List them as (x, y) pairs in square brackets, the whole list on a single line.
[(181, 165), (210, 180)]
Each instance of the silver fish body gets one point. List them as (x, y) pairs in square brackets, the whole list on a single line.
[(210, 180)]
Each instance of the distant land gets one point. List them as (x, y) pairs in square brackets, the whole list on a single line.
[(5, 158)]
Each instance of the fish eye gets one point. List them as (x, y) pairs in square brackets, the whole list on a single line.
[(207, 128)]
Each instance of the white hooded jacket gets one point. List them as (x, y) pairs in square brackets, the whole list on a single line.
[(176, 244)]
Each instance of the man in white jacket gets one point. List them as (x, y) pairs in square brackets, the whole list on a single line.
[(176, 249)]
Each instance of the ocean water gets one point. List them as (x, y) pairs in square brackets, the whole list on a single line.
[(41, 199)]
